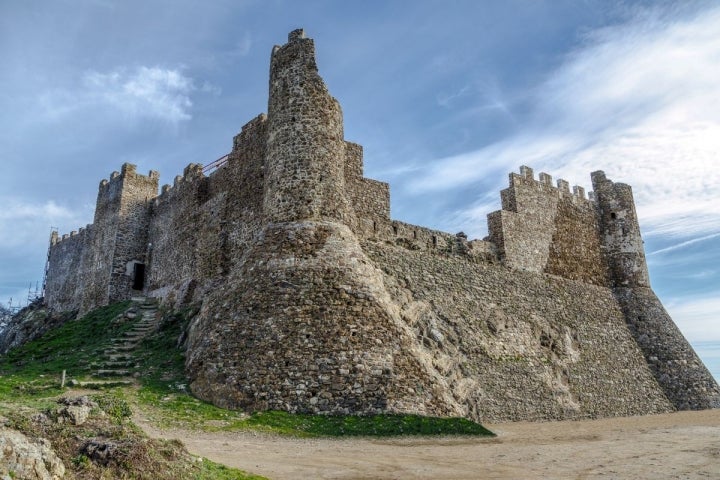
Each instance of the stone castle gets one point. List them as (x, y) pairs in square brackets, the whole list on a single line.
[(314, 300)]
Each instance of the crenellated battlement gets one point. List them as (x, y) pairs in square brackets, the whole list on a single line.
[(548, 229), (545, 182), (192, 174)]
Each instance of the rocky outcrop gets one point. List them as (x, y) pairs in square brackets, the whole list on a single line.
[(306, 325), (30, 459), (28, 324)]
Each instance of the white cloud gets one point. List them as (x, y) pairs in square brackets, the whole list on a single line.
[(25, 223), (24, 236), (146, 92), (640, 101), (143, 92)]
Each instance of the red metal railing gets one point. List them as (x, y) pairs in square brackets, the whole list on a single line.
[(219, 163)]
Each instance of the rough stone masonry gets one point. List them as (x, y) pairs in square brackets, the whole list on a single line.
[(314, 300)]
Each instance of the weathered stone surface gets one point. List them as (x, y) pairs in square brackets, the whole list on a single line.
[(29, 324), (21, 457), (100, 451), (75, 410), (314, 300)]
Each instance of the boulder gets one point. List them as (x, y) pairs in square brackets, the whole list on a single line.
[(21, 457)]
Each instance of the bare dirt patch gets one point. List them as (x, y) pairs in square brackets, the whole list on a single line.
[(678, 445)]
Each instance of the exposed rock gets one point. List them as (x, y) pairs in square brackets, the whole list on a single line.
[(21, 457), (75, 410), (100, 451), (28, 324)]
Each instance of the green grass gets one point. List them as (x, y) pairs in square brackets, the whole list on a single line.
[(68, 347), (214, 471), (358, 425), (33, 371)]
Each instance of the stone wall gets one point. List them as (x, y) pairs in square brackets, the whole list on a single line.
[(304, 168), (131, 237), (65, 267), (620, 233), (545, 229), (103, 270), (515, 345), (174, 228), (681, 374)]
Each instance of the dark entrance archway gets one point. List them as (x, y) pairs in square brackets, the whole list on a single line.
[(138, 276)]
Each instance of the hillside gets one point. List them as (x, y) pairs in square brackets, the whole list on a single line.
[(127, 359)]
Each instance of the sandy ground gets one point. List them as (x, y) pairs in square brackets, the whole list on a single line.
[(679, 445)]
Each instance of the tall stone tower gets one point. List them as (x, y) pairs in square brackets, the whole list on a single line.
[(304, 322), (676, 367), (118, 240), (304, 169), (620, 233)]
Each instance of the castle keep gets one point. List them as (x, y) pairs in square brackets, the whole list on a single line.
[(313, 299)]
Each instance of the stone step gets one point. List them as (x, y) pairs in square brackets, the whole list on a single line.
[(134, 335), (118, 357), (142, 329), (103, 383), (112, 364), (124, 347), (112, 373)]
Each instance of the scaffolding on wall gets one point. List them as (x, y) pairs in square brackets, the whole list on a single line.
[(53, 232)]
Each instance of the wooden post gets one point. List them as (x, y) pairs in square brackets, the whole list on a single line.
[(62, 382)]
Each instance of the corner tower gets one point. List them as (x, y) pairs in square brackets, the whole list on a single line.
[(304, 322), (685, 381), (620, 233), (115, 261)]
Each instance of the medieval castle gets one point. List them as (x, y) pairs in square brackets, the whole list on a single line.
[(314, 300)]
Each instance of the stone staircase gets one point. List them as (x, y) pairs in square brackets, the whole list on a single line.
[(116, 360)]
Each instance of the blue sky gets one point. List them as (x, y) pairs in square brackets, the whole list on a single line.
[(447, 97)]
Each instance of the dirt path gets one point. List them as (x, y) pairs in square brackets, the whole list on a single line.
[(680, 445)]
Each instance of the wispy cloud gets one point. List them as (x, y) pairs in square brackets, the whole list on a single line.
[(143, 92), (639, 100), (146, 91), (684, 244), (24, 223)]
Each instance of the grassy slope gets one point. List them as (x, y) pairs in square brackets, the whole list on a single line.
[(30, 379)]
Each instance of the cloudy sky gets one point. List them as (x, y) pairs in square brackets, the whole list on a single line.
[(447, 97)]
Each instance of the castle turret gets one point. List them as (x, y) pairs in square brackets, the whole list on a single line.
[(620, 233), (119, 240), (304, 168)]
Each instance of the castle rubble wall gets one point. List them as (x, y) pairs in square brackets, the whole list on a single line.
[(517, 345), (243, 181), (686, 382), (174, 230), (545, 229), (620, 233), (66, 271), (369, 198), (132, 222), (314, 300), (304, 324), (202, 225)]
